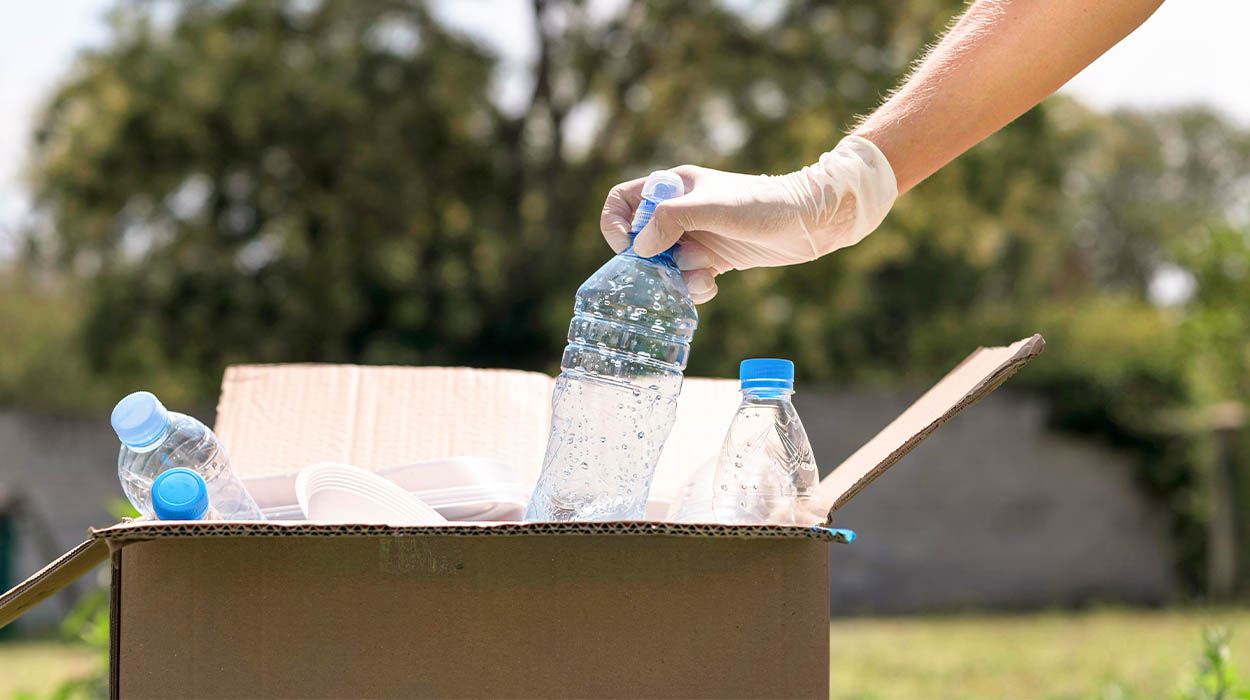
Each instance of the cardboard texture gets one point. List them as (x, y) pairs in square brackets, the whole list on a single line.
[(44, 583), (147, 530), (474, 617), (280, 418), (636, 609), (979, 374)]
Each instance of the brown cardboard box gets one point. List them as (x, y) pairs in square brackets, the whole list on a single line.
[(574, 610)]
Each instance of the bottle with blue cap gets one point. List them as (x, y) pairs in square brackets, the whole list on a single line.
[(181, 494), (156, 440), (766, 470), (616, 397)]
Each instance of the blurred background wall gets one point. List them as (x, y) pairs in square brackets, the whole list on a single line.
[(419, 183)]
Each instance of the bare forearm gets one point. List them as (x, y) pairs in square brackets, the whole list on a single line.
[(1001, 58)]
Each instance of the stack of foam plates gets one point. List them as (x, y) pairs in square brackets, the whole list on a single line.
[(460, 488), (341, 493)]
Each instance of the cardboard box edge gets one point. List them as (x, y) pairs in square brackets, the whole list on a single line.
[(58, 574), (1028, 349)]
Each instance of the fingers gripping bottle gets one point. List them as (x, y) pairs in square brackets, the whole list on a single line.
[(155, 440), (766, 471), (616, 397)]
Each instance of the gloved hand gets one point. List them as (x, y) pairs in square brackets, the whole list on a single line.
[(729, 221)]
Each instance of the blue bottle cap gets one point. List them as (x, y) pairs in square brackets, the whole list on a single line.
[(659, 186), (663, 184), (766, 373), (179, 494), (139, 419)]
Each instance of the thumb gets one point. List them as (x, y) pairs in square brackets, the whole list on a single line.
[(671, 219)]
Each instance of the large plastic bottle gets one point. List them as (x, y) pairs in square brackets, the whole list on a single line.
[(766, 468), (155, 440), (616, 397)]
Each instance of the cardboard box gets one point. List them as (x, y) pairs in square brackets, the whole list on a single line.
[(572, 610)]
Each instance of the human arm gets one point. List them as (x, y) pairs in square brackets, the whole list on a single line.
[(998, 60)]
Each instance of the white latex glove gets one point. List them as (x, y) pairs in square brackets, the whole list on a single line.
[(729, 221)]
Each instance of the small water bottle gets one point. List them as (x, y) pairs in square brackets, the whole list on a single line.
[(766, 469), (155, 440), (181, 494), (616, 397)]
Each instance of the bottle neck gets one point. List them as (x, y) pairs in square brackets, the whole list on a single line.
[(642, 216), (665, 258), (766, 394), (148, 447)]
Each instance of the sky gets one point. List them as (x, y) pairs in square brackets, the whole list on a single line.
[(1190, 51)]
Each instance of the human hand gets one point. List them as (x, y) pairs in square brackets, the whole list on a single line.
[(730, 221)]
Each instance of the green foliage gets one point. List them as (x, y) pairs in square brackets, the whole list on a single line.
[(338, 181), (269, 181), (88, 622), (45, 363), (1215, 678)]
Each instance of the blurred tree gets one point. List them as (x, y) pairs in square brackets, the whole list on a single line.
[(261, 180)]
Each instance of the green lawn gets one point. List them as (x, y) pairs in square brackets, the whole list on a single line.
[(1099, 654), (38, 667)]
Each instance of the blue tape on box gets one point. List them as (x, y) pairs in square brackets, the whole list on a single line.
[(839, 534)]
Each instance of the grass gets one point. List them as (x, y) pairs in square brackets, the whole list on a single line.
[(1112, 653), (39, 667), (1097, 654)]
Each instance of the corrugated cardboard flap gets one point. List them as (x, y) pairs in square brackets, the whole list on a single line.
[(979, 374), (60, 573), (276, 419)]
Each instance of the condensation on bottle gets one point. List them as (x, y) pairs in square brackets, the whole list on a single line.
[(616, 397)]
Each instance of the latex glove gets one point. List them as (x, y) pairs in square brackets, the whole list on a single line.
[(730, 221)]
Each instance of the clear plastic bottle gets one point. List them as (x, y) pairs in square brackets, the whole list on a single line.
[(181, 494), (616, 397), (766, 468), (155, 440)]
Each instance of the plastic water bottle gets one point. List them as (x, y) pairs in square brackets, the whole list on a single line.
[(616, 397), (766, 468), (155, 440), (181, 494)]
